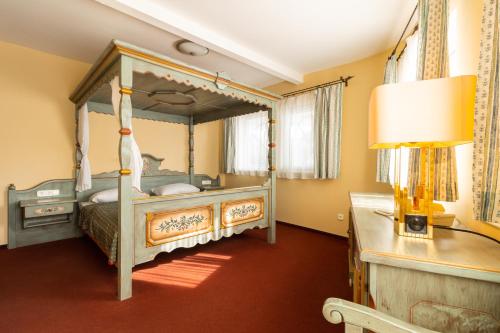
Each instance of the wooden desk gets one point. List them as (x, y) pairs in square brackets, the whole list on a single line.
[(450, 283)]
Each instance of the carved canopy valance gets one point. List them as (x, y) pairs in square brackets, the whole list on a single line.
[(168, 90)]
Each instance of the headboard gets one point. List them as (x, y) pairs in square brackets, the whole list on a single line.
[(152, 176), (63, 190)]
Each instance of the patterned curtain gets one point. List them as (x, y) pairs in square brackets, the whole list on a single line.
[(327, 129), (433, 64), (229, 150), (486, 121), (384, 155)]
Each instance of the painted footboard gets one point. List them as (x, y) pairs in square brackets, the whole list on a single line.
[(163, 224)]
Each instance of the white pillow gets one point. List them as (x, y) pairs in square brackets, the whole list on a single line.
[(111, 195), (177, 188)]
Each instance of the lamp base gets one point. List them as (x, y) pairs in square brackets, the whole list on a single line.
[(414, 210), (413, 225)]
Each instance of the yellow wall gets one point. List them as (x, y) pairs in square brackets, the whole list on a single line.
[(37, 130), (316, 203), (168, 141)]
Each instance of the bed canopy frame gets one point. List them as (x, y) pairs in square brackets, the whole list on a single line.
[(158, 88)]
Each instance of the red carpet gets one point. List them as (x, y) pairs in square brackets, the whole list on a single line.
[(239, 284)]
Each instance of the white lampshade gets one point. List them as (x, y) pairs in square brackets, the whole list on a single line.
[(438, 112)]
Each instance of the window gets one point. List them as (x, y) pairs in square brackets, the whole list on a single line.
[(295, 137), (251, 144), (307, 136), (309, 128)]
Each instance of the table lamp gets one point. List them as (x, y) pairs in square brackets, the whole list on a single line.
[(425, 114)]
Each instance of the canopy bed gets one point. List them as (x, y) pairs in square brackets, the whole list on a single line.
[(131, 82)]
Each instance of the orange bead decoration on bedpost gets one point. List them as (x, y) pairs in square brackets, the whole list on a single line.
[(126, 91), (125, 172), (125, 131)]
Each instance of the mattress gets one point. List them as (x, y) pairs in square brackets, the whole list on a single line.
[(100, 222)]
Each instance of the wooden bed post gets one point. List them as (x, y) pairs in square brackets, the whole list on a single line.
[(271, 231), (125, 213), (191, 150)]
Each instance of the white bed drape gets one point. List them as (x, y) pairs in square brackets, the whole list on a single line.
[(136, 157), (84, 177)]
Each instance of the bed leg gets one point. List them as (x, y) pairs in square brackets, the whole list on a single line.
[(271, 233)]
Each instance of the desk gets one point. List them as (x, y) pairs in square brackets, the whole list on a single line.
[(447, 284)]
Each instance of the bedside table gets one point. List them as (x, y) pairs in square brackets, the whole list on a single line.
[(42, 220), (41, 212)]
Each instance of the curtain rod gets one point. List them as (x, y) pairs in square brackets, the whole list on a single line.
[(342, 79), (404, 48), (402, 35)]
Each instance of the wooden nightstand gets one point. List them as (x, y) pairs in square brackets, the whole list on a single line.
[(42, 212), (42, 220)]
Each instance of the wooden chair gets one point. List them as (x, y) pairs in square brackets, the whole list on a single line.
[(358, 317)]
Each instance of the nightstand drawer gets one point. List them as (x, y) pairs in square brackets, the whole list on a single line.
[(47, 210)]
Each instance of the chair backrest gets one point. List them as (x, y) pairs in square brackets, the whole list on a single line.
[(357, 317)]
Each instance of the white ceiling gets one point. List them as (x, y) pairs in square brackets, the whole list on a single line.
[(258, 42)]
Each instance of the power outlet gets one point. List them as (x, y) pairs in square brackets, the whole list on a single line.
[(206, 182), (340, 217)]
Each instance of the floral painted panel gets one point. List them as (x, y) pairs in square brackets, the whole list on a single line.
[(168, 226), (242, 211)]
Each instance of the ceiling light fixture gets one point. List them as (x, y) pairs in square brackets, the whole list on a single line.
[(172, 97), (191, 48)]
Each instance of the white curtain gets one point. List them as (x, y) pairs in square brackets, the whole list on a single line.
[(407, 64), (250, 141), (84, 177), (136, 157), (295, 136)]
